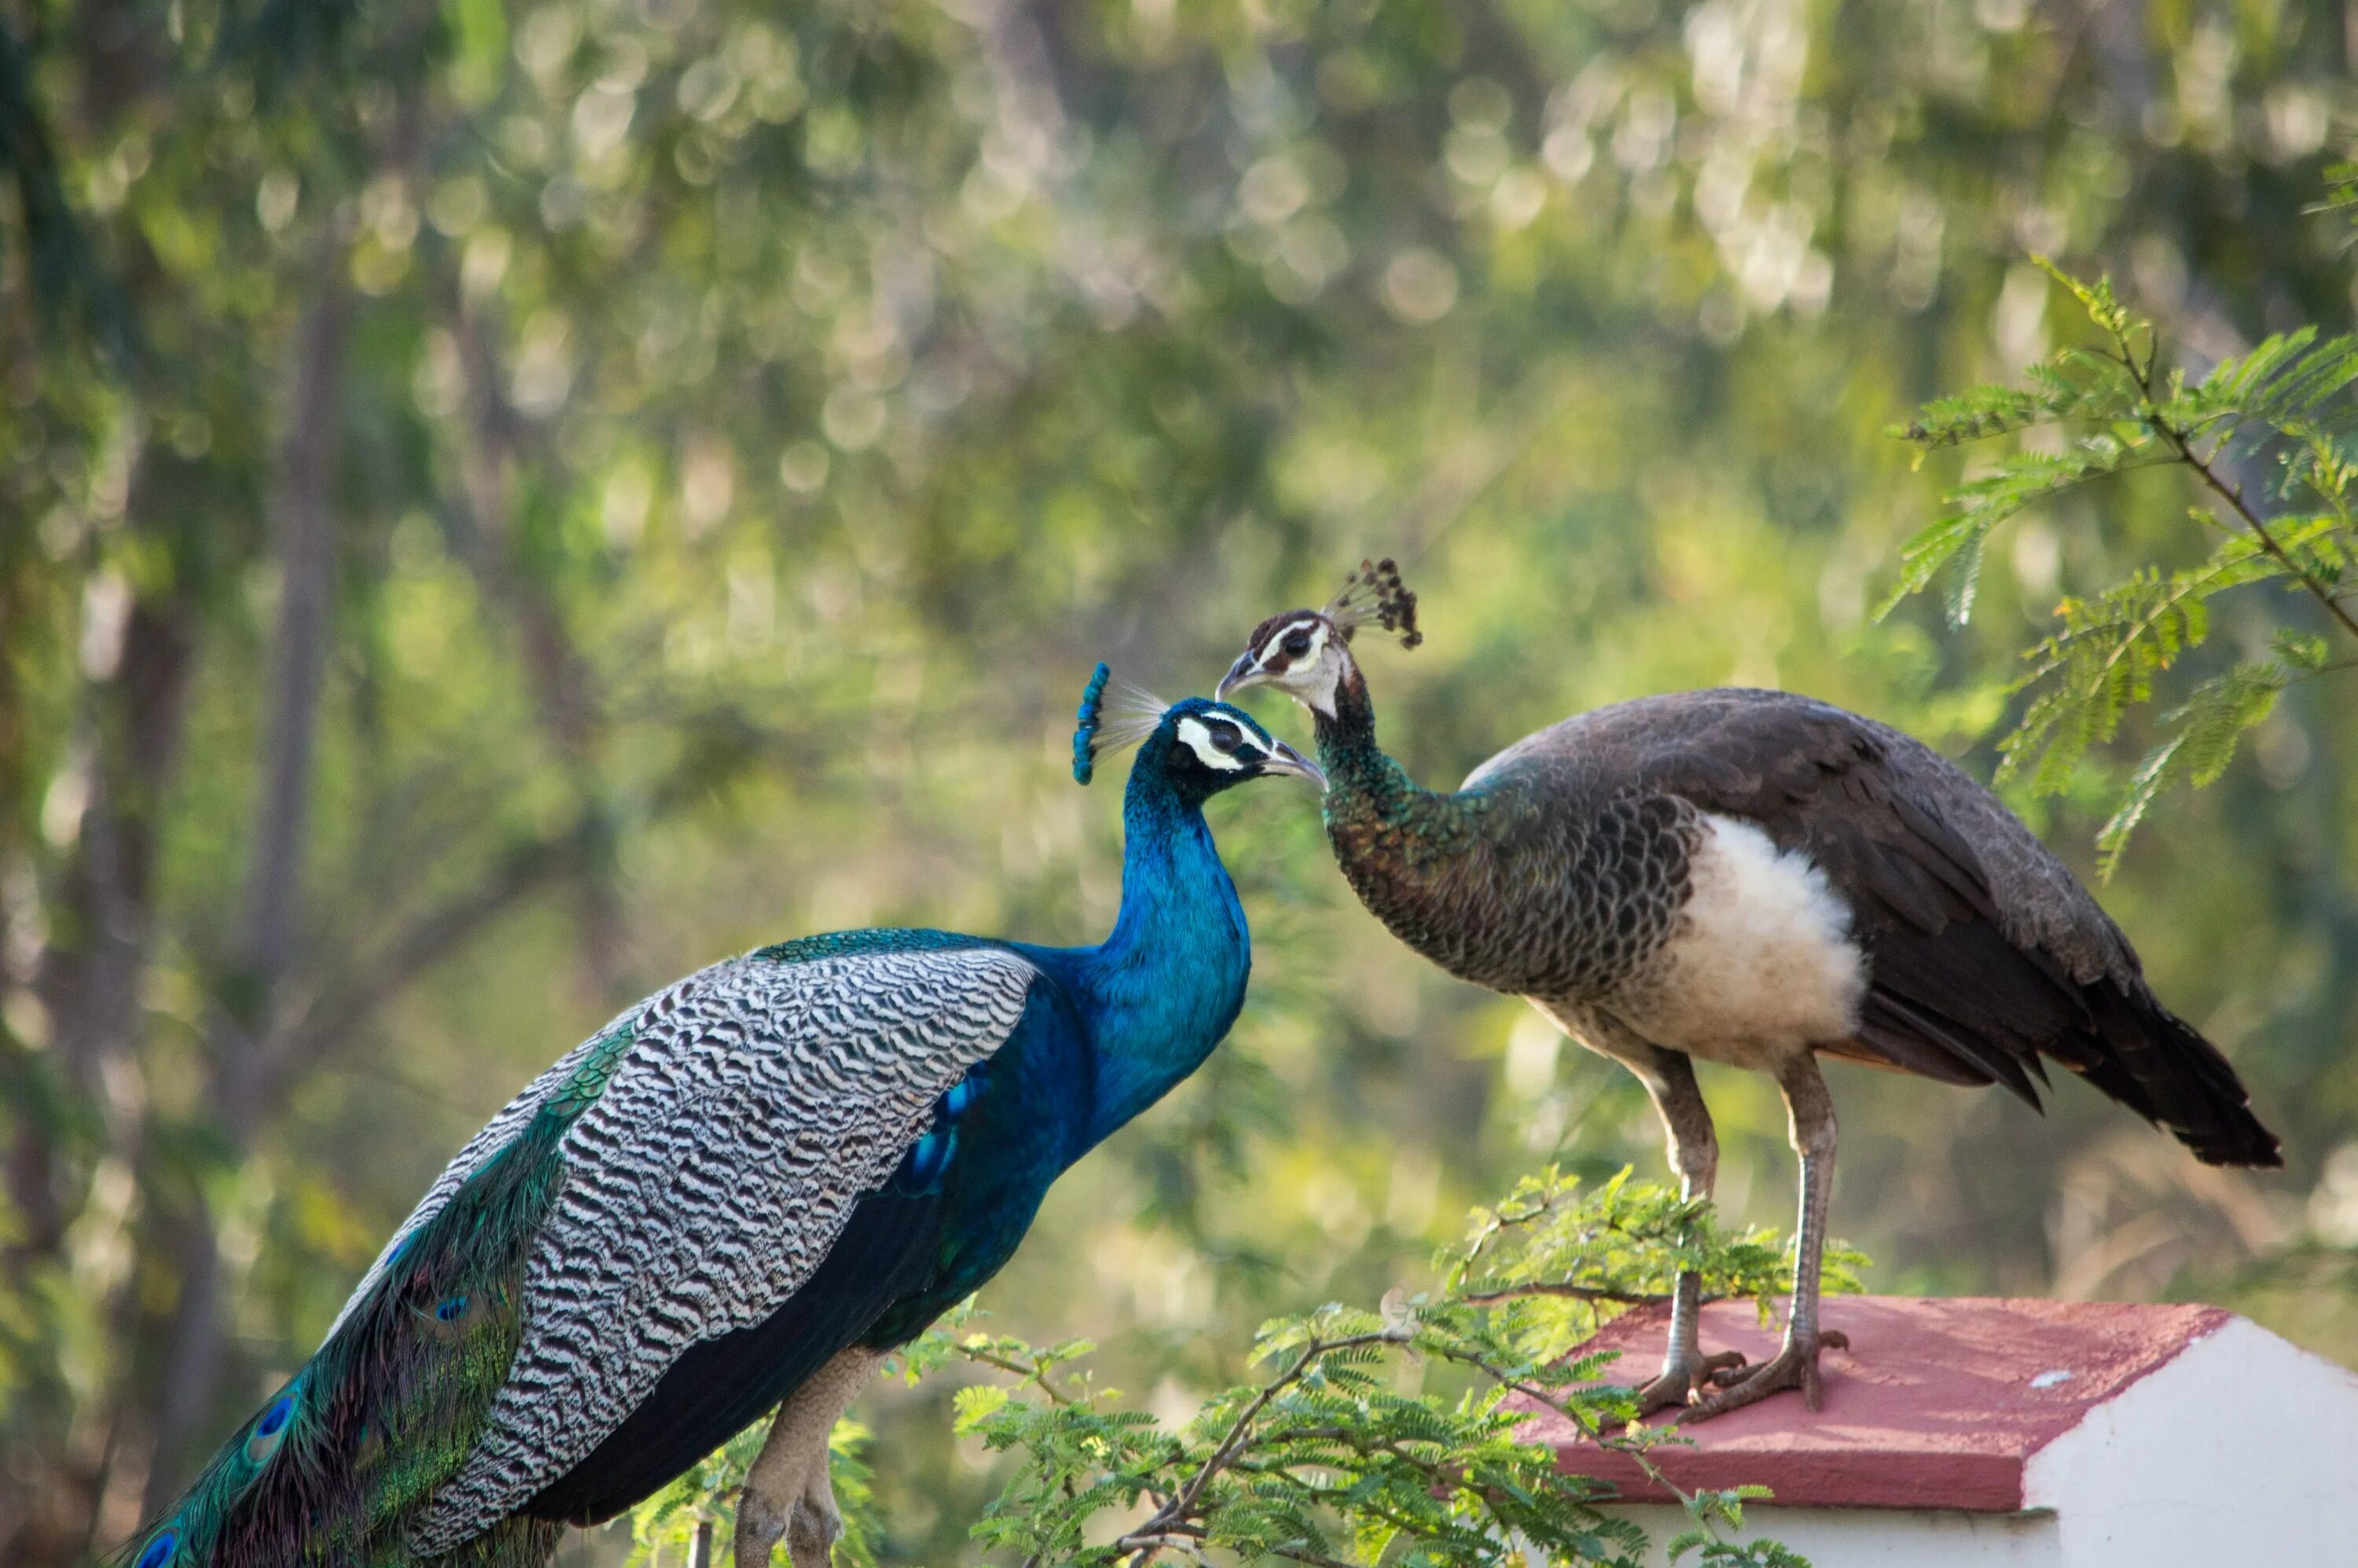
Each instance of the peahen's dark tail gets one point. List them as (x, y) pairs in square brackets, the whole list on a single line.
[(2157, 1062), (333, 1468)]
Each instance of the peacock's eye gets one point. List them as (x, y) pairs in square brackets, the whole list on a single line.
[(1225, 735), (1297, 643)]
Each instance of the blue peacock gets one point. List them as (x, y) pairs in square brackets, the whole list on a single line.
[(742, 1193)]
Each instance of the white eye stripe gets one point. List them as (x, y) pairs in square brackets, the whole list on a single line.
[(1197, 736), (1308, 656)]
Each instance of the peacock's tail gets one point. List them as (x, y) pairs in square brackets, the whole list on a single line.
[(332, 1469)]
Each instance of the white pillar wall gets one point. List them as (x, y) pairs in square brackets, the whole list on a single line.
[(2199, 1439), (1888, 1538)]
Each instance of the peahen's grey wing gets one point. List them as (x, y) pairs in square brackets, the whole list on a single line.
[(1907, 835), (1985, 952), (757, 1100)]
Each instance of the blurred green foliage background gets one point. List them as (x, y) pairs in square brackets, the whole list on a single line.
[(501, 504)]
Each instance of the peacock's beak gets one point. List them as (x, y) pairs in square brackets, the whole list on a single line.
[(1284, 759), (1241, 673)]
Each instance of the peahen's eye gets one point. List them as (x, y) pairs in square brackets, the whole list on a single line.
[(1296, 643), (1225, 735)]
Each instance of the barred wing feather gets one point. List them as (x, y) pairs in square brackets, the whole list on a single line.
[(755, 1103)]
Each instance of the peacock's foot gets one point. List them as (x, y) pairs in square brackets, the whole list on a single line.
[(809, 1521), (1682, 1382), (760, 1521), (812, 1532), (1794, 1366)]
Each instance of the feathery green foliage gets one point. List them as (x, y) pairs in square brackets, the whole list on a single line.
[(2112, 408), (1575, 1258), (1397, 1435)]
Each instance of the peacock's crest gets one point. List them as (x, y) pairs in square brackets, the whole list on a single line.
[(1133, 718), (1375, 593)]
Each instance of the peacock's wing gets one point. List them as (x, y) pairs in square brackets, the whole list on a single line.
[(673, 1179), (707, 1181)]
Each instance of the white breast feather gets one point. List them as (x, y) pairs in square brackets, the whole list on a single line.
[(1762, 964)]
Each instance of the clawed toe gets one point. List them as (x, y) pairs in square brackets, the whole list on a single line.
[(1794, 1366), (1679, 1387), (811, 1534), (808, 1523), (759, 1524)]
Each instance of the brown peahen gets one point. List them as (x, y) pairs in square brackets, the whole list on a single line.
[(1753, 878)]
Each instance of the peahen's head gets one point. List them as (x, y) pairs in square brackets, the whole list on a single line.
[(1306, 653), (1199, 746)]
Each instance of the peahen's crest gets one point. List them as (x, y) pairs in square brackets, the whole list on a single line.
[(1105, 727), (1375, 593)]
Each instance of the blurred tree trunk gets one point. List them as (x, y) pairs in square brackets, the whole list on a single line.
[(563, 684), (87, 981), (242, 1026)]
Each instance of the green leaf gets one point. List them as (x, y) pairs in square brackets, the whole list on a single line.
[(2104, 660), (976, 1404), (2209, 728), (2302, 650), (2019, 480), (2102, 305)]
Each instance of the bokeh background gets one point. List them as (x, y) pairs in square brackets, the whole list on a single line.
[(501, 504)]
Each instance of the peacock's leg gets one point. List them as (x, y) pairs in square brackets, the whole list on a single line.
[(1795, 1364), (788, 1491), (1670, 1079)]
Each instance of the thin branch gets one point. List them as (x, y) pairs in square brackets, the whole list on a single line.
[(1146, 1545), (1507, 1379), (1454, 484), (1036, 1374), (1183, 1504), (2232, 495), (1568, 1290)]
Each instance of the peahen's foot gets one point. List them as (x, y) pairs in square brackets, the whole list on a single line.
[(1794, 1366), (1680, 1385)]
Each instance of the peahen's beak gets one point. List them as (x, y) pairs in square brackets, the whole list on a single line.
[(1284, 759), (1241, 673)]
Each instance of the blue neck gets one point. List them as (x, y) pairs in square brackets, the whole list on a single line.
[(1162, 990)]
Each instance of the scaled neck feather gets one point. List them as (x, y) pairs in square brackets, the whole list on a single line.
[(1165, 985), (1400, 845)]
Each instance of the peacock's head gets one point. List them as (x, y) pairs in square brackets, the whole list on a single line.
[(1306, 653), (1201, 746)]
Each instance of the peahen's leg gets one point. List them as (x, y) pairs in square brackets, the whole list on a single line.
[(1795, 1364), (787, 1488), (1669, 1078)]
